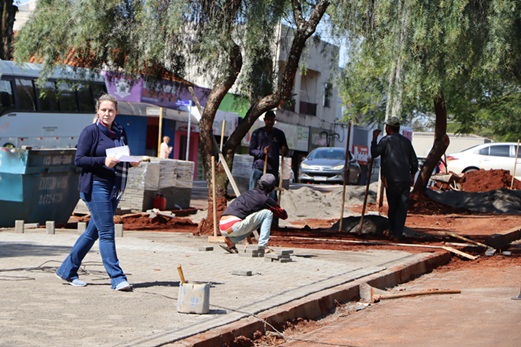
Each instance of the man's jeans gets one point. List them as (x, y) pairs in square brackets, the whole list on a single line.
[(242, 229), (101, 225)]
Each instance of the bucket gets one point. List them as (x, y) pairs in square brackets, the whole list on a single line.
[(193, 298)]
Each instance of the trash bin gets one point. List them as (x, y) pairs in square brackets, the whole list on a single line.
[(37, 185)]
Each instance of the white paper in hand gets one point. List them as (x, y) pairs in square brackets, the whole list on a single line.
[(121, 153)]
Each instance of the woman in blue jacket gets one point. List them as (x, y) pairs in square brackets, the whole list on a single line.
[(101, 184)]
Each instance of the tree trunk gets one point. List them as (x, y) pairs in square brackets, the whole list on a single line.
[(209, 147), (7, 17), (441, 142)]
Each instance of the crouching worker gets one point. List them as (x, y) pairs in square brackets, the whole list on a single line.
[(248, 212)]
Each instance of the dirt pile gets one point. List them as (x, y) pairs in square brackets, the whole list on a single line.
[(482, 191), (486, 180)]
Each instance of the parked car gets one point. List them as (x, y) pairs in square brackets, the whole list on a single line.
[(487, 156), (326, 165)]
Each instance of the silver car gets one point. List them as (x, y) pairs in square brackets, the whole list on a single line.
[(326, 165)]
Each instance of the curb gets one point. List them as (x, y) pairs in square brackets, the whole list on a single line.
[(313, 306)]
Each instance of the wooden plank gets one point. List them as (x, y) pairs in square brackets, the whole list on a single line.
[(377, 297), (458, 252), (222, 160), (466, 239)]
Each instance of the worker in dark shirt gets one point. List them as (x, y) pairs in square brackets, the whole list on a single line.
[(398, 167), (267, 142), (249, 211)]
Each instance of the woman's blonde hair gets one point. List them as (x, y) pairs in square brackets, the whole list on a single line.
[(106, 97)]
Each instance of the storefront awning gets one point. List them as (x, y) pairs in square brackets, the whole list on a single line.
[(149, 110)]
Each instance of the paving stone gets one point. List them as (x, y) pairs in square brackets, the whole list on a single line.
[(242, 272)]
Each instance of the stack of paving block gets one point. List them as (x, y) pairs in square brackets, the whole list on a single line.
[(253, 251), (171, 178), (279, 256)]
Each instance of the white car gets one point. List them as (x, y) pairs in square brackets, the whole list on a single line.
[(487, 156)]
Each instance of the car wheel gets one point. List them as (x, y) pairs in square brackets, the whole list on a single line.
[(472, 169)]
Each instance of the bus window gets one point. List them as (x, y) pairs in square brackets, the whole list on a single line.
[(25, 93), (47, 101), (85, 99), (6, 96), (67, 97)]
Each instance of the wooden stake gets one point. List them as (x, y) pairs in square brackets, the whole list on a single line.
[(213, 198), (281, 178), (222, 135), (346, 177), (377, 297), (515, 164)]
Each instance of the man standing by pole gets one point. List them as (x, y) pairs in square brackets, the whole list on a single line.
[(265, 146), (398, 167)]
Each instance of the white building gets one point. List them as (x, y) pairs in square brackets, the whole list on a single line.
[(423, 141)]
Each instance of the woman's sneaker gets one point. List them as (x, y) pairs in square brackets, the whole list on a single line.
[(123, 287), (74, 282)]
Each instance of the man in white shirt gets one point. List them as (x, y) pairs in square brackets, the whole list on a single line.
[(164, 149)]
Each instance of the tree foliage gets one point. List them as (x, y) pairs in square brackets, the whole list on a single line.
[(454, 46), (454, 55)]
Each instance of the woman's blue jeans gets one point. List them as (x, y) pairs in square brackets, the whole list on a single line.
[(102, 206)]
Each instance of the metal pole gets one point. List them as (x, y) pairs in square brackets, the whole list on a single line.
[(189, 130), (159, 135)]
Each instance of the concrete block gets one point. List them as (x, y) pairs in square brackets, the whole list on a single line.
[(242, 272), (19, 226), (49, 226), (205, 248), (119, 230), (248, 255), (81, 227), (193, 298)]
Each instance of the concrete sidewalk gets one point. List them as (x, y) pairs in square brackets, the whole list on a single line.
[(38, 309)]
